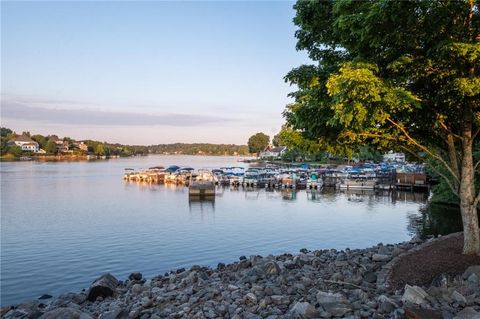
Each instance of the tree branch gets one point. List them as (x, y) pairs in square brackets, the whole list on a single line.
[(447, 180), (452, 154), (425, 149), (449, 132), (476, 133)]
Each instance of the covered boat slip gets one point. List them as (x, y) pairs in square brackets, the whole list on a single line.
[(203, 185)]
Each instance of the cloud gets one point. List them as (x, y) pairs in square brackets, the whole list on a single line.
[(20, 110)]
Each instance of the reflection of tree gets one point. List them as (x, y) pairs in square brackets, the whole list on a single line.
[(435, 219)]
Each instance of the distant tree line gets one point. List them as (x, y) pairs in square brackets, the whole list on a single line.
[(199, 149), (50, 144)]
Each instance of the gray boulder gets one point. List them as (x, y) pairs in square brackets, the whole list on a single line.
[(468, 313), (271, 268), (381, 257), (65, 313), (104, 286), (414, 294), (334, 303), (303, 310), (475, 269)]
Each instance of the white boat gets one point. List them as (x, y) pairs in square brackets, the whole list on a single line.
[(314, 182)]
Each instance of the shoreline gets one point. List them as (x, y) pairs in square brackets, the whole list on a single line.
[(86, 158), (350, 283)]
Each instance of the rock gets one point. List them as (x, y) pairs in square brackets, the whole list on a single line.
[(473, 278), (329, 297), (73, 297), (135, 276), (104, 286), (397, 251), (65, 313), (380, 257), (25, 310), (468, 313), (387, 305), (414, 294), (271, 268), (337, 276), (421, 313), (334, 303), (475, 269), (337, 309), (458, 297), (45, 296), (112, 314), (250, 297), (303, 310), (146, 302), (278, 299), (440, 281), (220, 266), (341, 263), (383, 250), (180, 270), (370, 277), (137, 289), (416, 240)]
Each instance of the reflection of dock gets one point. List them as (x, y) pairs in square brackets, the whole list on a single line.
[(202, 205)]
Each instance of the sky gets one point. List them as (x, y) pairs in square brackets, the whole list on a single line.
[(147, 72)]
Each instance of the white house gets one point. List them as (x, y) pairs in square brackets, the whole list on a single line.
[(25, 143), (82, 146), (394, 157), (275, 152)]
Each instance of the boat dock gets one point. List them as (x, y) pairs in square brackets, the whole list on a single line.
[(203, 182)]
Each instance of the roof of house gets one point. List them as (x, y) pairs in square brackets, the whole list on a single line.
[(22, 138), (55, 139), (278, 149)]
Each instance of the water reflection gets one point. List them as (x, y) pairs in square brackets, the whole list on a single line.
[(435, 219), (252, 193), (314, 195), (202, 205)]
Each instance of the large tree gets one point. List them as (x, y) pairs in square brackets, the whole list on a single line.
[(399, 74), (258, 142)]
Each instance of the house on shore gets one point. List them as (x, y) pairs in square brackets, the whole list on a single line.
[(62, 146), (25, 143), (273, 152), (81, 145), (394, 157)]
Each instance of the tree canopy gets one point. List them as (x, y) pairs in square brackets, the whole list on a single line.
[(397, 74), (258, 142)]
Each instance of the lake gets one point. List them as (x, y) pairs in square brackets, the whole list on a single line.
[(65, 223)]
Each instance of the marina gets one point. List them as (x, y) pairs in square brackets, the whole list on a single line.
[(382, 176)]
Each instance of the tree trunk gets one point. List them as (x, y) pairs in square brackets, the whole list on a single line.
[(471, 231)]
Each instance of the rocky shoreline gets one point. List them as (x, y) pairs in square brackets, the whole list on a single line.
[(352, 283)]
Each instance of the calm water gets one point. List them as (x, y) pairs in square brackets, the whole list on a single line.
[(64, 224)]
